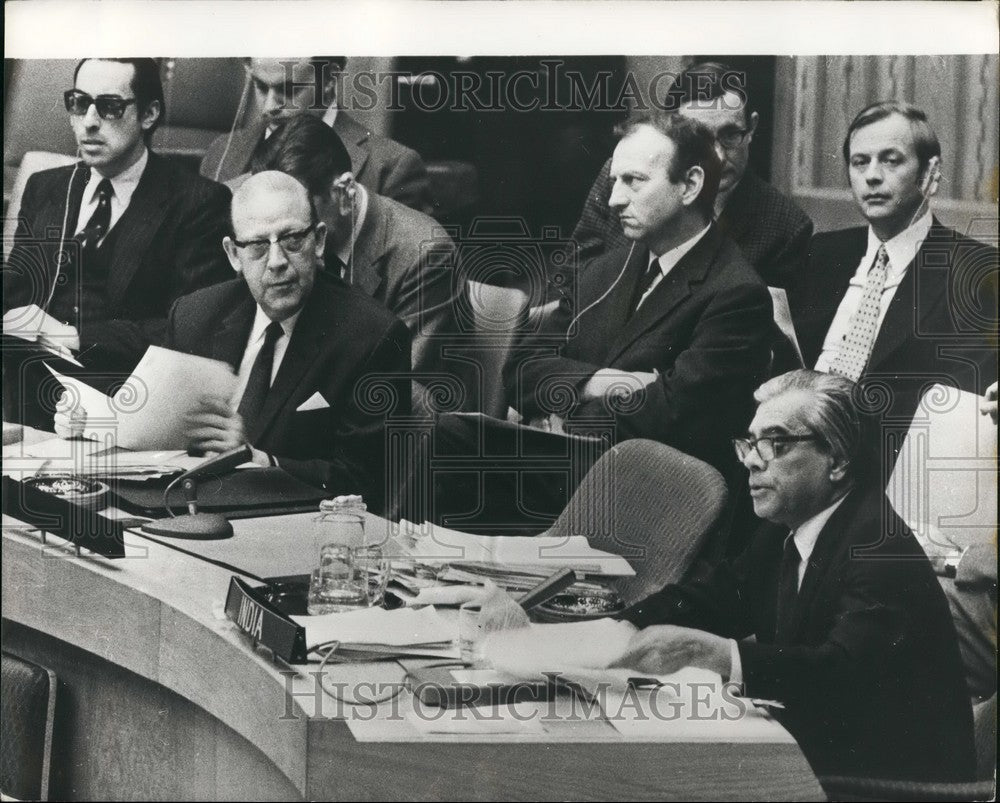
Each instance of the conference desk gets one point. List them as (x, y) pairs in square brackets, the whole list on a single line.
[(162, 698)]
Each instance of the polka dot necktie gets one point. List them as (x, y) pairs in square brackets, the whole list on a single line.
[(856, 348), (100, 221)]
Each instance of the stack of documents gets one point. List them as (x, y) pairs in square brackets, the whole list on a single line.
[(92, 459), (504, 556), (375, 633)]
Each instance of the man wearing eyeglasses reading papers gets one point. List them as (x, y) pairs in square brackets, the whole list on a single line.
[(105, 246), (851, 631), (314, 357)]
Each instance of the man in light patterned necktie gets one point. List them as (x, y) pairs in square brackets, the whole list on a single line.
[(905, 302), (900, 306)]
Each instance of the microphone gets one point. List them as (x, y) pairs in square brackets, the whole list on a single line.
[(194, 525)]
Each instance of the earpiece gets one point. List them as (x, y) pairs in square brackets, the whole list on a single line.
[(932, 177)]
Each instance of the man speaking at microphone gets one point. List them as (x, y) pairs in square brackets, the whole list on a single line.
[(308, 350)]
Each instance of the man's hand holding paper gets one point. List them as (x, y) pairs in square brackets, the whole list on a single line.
[(163, 405)]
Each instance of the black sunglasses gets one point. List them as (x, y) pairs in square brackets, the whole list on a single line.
[(109, 107)]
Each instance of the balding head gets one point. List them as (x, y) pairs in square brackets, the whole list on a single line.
[(267, 194), (277, 242)]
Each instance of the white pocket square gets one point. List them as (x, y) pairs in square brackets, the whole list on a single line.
[(314, 402)]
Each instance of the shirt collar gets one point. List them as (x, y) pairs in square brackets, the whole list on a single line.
[(807, 533), (261, 322), (675, 254), (902, 248), (330, 115), (123, 184), (361, 207)]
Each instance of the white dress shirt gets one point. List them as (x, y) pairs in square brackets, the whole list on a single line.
[(123, 186), (669, 260), (901, 250), (805, 536), (254, 343)]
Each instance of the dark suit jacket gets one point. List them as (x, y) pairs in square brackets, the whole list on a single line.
[(869, 670), (169, 244), (940, 326), (383, 165), (771, 231), (345, 347), (406, 261), (706, 329)]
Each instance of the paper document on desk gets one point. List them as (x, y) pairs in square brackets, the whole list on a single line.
[(430, 543), (148, 412), (530, 652), (90, 458), (376, 631), (33, 325)]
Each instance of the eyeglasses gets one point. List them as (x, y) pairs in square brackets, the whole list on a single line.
[(291, 242), (109, 107), (768, 447), (732, 137)]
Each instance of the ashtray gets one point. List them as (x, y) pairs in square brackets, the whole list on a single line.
[(579, 602), (81, 491)]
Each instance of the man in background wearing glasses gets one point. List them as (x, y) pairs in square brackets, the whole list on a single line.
[(852, 633), (106, 245), (771, 231)]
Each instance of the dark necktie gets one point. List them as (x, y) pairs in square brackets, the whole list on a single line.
[(651, 275), (259, 382), (788, 588), (100, 221)]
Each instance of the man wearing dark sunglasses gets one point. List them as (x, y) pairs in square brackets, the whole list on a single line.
[(851, 631), (105, 246)]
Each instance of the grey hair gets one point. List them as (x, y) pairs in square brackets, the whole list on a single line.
[(833, 415)]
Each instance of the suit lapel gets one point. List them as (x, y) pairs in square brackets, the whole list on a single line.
[(58, 215), (241, 148), (230, 339), (137, 226), (915, 296), (310, 330), (355, 138), (591, 335), (369, 248), (672, 290), (828, 544)]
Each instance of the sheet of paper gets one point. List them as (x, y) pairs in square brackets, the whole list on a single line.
[(398, 628), (531, 652), (31, 323), (944, 483), (433, 544), (148, 412), (163, 388), (101, 413)]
